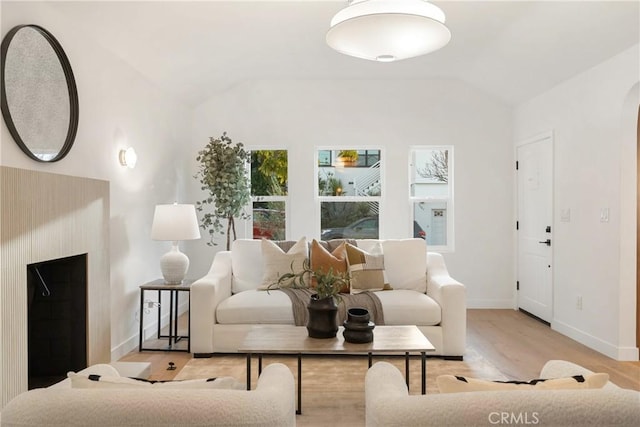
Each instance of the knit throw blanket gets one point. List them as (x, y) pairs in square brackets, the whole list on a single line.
[(300, 298)]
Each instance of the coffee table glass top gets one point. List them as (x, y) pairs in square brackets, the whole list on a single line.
[(295, 339)]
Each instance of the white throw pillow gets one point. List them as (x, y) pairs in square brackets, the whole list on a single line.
[(246, 264), (276, 262), (405, 263), (104, 381)]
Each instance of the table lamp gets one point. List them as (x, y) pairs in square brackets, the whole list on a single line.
[(174, 223)]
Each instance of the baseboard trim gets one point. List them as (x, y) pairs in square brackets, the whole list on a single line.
[(595, 343)]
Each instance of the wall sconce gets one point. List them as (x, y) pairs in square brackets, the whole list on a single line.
[(128, 157)]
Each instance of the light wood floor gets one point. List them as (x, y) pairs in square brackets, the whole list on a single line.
[(514, 342)]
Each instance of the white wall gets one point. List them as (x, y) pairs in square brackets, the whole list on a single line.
[(118, 108), (594, 169), (391, 115)]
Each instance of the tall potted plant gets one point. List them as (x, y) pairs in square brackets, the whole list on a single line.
[(223, 175)]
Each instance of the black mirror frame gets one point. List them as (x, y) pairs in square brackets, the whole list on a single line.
[(71, 86)]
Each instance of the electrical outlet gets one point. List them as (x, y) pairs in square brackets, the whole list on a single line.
[(579, 302)]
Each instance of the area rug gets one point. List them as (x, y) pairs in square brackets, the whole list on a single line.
[(335, 384)]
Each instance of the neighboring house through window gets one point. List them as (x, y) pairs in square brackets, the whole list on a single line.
[(431, 195)]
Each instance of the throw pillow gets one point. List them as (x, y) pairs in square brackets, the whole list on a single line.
[(323, 260), (104, 381), (455, 384), (276, 262), (366, 269)]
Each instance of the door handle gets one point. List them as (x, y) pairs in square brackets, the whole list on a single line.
[(546, 242)]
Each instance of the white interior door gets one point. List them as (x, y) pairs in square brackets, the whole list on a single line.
[(535, 239)]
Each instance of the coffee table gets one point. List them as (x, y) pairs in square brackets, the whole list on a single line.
[(268, 339)]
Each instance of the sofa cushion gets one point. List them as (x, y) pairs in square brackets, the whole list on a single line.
[(366, 269), (254, 307), (107, 381), (403, 307), (455, 384), (276, 262), (274, 307), (323, 260)]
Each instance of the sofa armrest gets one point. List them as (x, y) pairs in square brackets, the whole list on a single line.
[(451, 296), (384, 385), (206, 293)]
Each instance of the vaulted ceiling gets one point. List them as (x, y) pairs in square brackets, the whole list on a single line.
[(512, 50)]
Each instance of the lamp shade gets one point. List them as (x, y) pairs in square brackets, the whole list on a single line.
[(175, 222), (388, 30)]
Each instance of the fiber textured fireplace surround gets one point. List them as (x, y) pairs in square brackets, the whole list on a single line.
[(43, 217)]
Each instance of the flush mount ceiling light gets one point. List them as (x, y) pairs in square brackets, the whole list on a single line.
[(388, 30)]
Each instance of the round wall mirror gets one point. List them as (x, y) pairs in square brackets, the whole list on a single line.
[(39, 94)]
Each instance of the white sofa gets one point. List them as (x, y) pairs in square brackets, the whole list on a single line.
[(226, 302), (271, 403), (389, 404)]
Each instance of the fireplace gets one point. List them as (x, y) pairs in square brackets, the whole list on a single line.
[(57, 319), (46, 217)]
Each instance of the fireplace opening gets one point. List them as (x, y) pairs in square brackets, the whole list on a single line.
[(57, 319)]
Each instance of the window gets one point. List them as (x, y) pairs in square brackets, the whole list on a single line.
[(349, 193), (269, 182), (431, 194)]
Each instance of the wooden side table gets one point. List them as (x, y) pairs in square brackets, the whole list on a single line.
[(160, 286)]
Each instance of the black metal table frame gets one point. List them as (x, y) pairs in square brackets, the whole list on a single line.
[(173, 336), (423, 365)]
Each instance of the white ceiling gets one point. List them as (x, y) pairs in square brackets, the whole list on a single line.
[(510, 49)]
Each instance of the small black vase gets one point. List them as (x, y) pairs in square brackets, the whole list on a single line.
[(357, 328), (323, 321)]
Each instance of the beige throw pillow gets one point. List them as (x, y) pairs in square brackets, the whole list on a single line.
[(366, 269), (456, 384), (276, 262)]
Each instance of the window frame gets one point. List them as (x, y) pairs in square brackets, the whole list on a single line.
[(448, 199), (248, 226), (318, 199)]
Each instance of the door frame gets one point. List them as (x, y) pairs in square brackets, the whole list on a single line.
[(536, 138)]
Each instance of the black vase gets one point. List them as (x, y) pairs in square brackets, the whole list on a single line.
[(323, 321), (357, 328)]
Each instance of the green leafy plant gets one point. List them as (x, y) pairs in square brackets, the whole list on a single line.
[(328, 283), (222, 173), (269, 173)]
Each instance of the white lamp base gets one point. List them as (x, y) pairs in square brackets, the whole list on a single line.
[(174, 265)]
